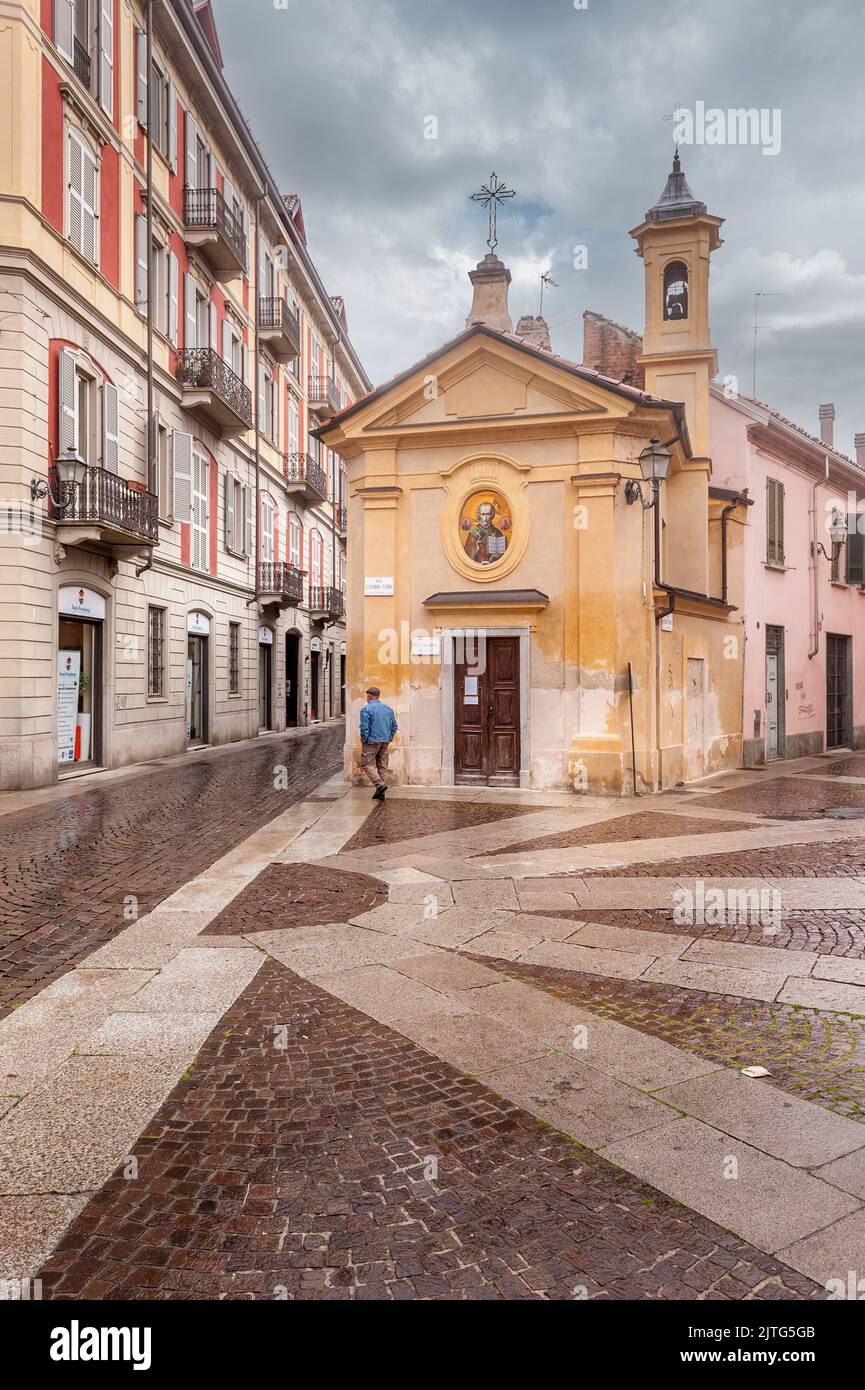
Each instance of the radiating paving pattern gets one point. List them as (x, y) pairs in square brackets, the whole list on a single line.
[(393, 1051), (353, 1164), (74, 872)]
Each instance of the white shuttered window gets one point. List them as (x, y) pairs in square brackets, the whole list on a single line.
[(199, 539), (83, 191)]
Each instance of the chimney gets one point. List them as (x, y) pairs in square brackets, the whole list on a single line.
[(827, 425), (490, 279), (533, 328), (859, 441)]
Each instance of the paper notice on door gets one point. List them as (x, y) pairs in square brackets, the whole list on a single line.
[(68, 671), (471, 685)]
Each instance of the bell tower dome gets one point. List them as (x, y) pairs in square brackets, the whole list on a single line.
[(676, 241)]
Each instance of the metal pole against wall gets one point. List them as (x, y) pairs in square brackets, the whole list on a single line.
[(152, 483), (633, 743)]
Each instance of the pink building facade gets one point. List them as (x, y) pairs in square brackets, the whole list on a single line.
[(803, 615)]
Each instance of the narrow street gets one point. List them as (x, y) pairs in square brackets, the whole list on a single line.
[(462, 1045)]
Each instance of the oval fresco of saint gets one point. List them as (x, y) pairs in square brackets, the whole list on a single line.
[(485, 526)]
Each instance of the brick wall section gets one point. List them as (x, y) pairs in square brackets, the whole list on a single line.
[(611, 349)]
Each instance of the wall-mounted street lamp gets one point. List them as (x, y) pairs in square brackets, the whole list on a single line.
[(655, 466), (71, 472), (837, 535)]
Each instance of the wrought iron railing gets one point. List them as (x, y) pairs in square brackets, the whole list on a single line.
[(204, 370), (323, 388), (278, 577), (81, 62), (300, 468), (323, 598), (206, 207), (108, 499), (275, 313)]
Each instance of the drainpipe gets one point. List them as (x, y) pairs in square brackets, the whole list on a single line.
[(741, 500), (152, 484), (256, 395)]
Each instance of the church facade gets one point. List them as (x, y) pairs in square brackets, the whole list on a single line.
[(529, 614)]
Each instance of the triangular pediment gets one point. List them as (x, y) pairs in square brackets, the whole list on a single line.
[(484, 382)]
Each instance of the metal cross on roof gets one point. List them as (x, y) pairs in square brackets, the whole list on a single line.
[(490, 195), (674, 117)]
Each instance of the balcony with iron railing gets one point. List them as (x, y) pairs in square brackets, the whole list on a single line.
[(326, 602), (323, 396), (279, 328), (81, 64), (279, 584), (305, 478), (214, 390), (106, 509), (213, 228), (341, 519)]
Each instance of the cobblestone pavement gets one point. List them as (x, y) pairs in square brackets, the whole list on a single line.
[(838, 859), (308, 1173), (645, 825), (294, 895), (819, 1056), (783, 797), (346, 1098), (838, 933), (69, 867), (839, 767), (390, 821)]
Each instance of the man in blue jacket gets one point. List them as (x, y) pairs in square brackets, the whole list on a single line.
[(377, 727)]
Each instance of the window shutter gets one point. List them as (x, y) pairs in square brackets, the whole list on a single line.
[(106, 56), (229, 512), (64, 26), (141, 263), (172, 126), (190, 172), (75, 176), (248, 519), (89, 212), (67, 436), (173, 298), (244, 363), (855, 550), (227, 343), (261, 411), (141, 76), (110, 427), (181, 457), (190, 324), (774, 522), (214, 340)]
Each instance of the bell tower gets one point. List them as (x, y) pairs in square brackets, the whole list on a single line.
[(676, 241)]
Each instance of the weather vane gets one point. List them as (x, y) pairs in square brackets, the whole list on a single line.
[(548, 281), (490, 195), (674, 116)]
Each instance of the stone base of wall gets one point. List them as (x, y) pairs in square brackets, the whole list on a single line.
[(804, 745)]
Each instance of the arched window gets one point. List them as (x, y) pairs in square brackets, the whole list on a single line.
[(675, 291), (295, 541)]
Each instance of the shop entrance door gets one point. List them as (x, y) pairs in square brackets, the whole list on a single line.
[(79, 690), (196, 690)]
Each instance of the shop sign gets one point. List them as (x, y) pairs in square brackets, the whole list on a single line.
[(265, 636), (76, 602), (197, 624)]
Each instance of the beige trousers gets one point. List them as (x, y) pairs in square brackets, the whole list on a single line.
[(373, 760)]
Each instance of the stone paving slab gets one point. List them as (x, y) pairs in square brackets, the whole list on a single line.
[(832, 1252), (768, 1119), (625, 939), (763, 958), (38, 1037), (577, 1100), (172, 1036), (197, 980), (824, 994), (715, 979), (325, 950), (848, 972), (150, 942), (620, 965), (848, 1173), (446, 972), (69, 1135), (769, 1202), (386, 995), (30, 1227), (468, 1041), (505, 945)]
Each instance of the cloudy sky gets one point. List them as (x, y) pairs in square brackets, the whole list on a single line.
[(567, 104)]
